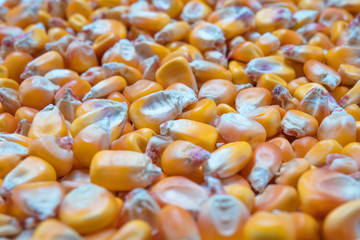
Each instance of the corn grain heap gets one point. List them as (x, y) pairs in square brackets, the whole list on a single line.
[(180, 119)]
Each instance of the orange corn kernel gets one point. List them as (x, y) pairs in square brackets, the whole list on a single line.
[(23, 14), (170, 7), (32, 42), (203, 111), (10, 225), (48, 121), (321, 40), (182, 158), (336, 30), (77, 21), (115, 112), (78, 6), (30, 197), (288, 36), (37, 92), (43, 64), (299, 124), (294, 84), (198, 133), (303, 53), (283, 98), (302, 90), (321, 73), (176, 223), (315, 103), (246, 51), (104, 42), (223, 108), (58, 230), (304, 16), (175, 31), (341, 163), (132, 141), (56, 151), (93, 75), (9, 99), (349, 74), (31, 169), (343, 55), (55, 33), (105, 87), (268, 43), (350, 97), (340, 126), (272, 64), (269, 81), (302, 145), (352, 150), (148, 20), (67, 104), (290, 172), (242, 193), (79, 87), (237, 70), (318, 153), (60, 45), (75, 179), (181, 188), (285, 147), (90, 140), (176, 70), (251, 98), (146, 49), (211, 227), (122, 51), (96, 104), (325, 188), (194, 11), (61, 76), (228, 160), (218, 90), (4, 72), (150, 111), (140, 204), (267, 225), (134, 229), (140, 89), (272, 18), (306, 227), (80, 56), (103, 26), (277, 197), (354, 111), (341, 222), (8, 123), (265, 162), (234, 127), (11, 155), (199, 36), (137, 168), (268, 117), (205, 70), (79, 212), (130, 74)]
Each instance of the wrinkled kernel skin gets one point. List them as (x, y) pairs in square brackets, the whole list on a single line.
[(180, 119)]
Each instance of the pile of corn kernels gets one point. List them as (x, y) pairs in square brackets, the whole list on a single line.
[(180, 119)]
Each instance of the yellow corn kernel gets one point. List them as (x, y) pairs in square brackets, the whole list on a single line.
[(302, 90), (203, 111), (272, 18), (31, 169), (134, 229), (337, 29), (136, 170), (9, 83), (140, 89), (354, 111), (269, 81), (224, 108), (299, 124), (205, 70), (175, 31), (77, 208), (182, 158), (198, 133), (131, 141), (228, 159), (56, 151), (78, 6), (176, 70), (318, 153), (303, 53), (266, 225), (4, 72), (148, 20), (268, 117), (306, 226), (77, 21), (343, 55), (58, 230), (237, 70), (105, 87), (246, 51), (48, 121)]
